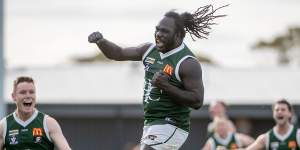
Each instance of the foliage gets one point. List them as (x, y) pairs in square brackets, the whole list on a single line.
[(282, 44)]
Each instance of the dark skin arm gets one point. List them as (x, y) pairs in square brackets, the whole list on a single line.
[(191, 75), (115, 52)]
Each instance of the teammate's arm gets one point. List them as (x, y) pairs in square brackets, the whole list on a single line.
[(259, 143), (208, 145), (56, 134), (1, 135), (191, 75), (246, 140), (115, 52), (298, 137)]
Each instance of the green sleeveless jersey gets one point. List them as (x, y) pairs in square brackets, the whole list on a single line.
[(290, 141), (28, 135), (159, 107), (231, 142)]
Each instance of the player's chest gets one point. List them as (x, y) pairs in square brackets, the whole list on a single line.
[(24, 136)]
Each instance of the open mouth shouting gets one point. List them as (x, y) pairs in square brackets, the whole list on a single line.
[(159, 43), (28, 103), (280, 117)]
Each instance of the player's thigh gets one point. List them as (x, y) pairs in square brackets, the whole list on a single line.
[(146, 147), (164, 137)]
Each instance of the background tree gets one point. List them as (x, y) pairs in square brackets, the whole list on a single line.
[(283, 45)]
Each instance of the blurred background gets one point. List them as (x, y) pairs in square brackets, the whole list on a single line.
[(250, 60)]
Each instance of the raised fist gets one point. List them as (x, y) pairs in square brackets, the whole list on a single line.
[(95, 37)]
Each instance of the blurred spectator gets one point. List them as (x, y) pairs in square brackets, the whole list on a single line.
[(218, 109), (224, 138)]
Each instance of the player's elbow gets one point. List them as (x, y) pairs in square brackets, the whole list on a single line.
[(198, 103)]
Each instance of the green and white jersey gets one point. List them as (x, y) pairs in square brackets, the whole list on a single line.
[(231, 142), (289, 141), (31, 134), (159, 107)]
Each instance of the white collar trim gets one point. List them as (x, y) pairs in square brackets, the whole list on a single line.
[(28, 121), (283, 137), (173, 51), (224, 141)]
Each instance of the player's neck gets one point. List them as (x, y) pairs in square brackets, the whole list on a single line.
[(24, 115), (282, 128)]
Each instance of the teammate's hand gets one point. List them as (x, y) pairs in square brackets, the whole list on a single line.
[(95, 37), (160, 79)]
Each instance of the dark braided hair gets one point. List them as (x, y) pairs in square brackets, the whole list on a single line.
[(196, 24)]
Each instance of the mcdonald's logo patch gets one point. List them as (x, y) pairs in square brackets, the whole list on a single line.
[(37, 132), (233, 146), (292, 144), (168, 69)]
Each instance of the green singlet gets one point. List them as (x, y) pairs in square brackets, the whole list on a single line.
[(159, 107), (28, 135), (287, 142)]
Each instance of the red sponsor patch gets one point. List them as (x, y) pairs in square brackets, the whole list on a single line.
[(168, 69)]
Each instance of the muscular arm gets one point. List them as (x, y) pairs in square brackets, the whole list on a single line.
[(56, 134), (259, 143), (191, 75), (115, 52)]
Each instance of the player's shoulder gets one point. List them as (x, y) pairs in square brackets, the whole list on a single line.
[(190, 64), (2, 121), (50, 119), (2, 125), (298, 131), (263, 137)]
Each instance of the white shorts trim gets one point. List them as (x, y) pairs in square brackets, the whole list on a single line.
[(163, 137)]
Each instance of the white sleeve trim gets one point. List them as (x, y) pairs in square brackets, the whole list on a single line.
[(46, 127), (148, 51), (267, 139), (298, 137), (178, 65), (238, 141), (212, 144), (4, 128)]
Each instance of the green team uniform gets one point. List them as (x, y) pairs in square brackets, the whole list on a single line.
[(288, 142), (231, 142), (28, 135), (158, 105)]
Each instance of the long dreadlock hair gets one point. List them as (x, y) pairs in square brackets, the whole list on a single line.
[(197, 24)]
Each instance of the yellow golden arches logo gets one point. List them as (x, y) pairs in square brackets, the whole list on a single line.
[(37, 132), (168, 69)]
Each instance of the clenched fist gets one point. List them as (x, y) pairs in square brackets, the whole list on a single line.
[(95, 37), (160, 79)]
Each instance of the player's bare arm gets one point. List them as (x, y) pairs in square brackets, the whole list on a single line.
[(115, 52), (1, 134), (246, 140), (208, 145), (191, 75), (259, 143), (56, 134)]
